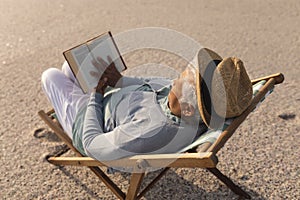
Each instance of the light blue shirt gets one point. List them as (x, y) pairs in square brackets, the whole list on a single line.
[(131, 120)]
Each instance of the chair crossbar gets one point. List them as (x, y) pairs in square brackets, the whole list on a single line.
[(185, 160)]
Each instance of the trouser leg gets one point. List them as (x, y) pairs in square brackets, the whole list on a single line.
[(65, 96), (68, 72)]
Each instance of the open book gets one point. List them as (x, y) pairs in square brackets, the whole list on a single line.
[(80, 59)]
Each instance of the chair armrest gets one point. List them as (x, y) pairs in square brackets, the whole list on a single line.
[(186, 160)]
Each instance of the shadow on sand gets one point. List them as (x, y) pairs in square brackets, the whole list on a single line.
[(171, 186)]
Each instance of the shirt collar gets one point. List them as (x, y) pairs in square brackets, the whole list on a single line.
[(162, 99)]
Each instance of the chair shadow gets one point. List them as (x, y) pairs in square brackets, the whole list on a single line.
[(172, 186), (92, 194), (44, 134)]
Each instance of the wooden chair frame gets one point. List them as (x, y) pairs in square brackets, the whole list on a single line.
[(206, 159)]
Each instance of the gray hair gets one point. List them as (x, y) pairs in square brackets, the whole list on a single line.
[(189, 90), (188, 94)]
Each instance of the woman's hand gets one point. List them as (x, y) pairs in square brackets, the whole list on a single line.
[(106, 71)]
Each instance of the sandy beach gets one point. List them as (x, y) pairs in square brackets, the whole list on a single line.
[(262, 156)]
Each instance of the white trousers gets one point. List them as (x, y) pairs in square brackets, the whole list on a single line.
[(64, 94)]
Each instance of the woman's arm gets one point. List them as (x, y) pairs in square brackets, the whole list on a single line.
[(114, 78)]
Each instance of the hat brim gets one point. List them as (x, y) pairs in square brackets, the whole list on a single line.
[(206, 60)]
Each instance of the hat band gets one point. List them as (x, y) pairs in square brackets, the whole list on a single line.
[(206, 87)]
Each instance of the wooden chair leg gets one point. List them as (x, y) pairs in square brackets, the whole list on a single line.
[(108, 182), (135, 183), (152, 183), (227, 181)]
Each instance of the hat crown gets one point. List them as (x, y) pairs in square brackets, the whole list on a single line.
[(224, 89), (233, 91)]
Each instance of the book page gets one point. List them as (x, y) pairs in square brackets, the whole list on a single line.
[(83, 59), (104, 46)]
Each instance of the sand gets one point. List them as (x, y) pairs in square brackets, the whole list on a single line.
[(262, 156)]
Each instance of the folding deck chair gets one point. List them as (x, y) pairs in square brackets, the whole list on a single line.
[(205, 156)]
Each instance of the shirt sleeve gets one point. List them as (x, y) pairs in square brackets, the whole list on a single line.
[(93, 121), (97, 144), (125, 140)]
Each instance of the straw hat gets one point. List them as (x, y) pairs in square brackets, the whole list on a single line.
[(224, 89)]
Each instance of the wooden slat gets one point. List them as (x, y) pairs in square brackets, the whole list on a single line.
[(279, 78), (186, 160), (135, 183), (152, 183), (58, 131), (228, 182), (108, 182), (203, 147), (50, 112)]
